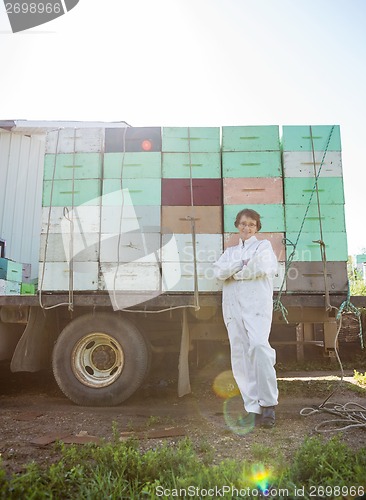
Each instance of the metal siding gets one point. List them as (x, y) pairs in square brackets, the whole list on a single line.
[(21, 172)]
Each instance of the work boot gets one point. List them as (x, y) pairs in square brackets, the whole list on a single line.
[(250, 420), (268, 417)]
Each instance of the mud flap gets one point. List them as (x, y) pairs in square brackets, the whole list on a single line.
[(31, 353), (184, 385)]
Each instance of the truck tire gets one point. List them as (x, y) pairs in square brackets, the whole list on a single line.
[(100, 359)]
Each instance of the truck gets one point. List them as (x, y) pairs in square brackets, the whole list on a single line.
[(108, 235)]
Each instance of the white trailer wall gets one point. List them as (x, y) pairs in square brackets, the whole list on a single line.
[(21, 173)]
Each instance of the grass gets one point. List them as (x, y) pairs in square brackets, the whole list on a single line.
[(119, 470)]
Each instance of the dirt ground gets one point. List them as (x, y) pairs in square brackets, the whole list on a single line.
[(34, 413)]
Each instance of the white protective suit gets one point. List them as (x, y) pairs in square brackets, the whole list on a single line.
[(247, 305)]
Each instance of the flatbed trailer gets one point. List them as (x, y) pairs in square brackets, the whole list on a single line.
[(105, 365)]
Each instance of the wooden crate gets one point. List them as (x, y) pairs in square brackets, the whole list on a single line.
[(307, 250), (130, 246), (251, 164), (301, 164), (332, 218), (251, 138), (81, 247), (208, 220), (298, 190), (298, 138), (308, 277), (10, 270), (131, 276), (55, 276), (191, 139), (133, 139), (9, 287), (126, 218), (179, 277), (66, 193), (204, 192), (138, 165), (70, 140), (86, 219), (73, 166), (141, 191), (208, 247), (253, 191), (197, 165)]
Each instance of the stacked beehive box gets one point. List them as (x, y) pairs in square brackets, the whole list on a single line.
[(191, 207), (252, 178), (130, 226), (72, 188), (312, 167), (10, 277)]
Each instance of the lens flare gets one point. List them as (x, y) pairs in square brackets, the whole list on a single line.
[(225, 386)]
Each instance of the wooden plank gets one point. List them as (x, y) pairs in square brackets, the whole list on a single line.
[(179, 276), (131, 276), (116, 219), (81, 247), (86, 219)]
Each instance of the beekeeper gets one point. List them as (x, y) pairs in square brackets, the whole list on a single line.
[(247, 270)]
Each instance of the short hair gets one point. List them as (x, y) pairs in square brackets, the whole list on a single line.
[(248, 212)]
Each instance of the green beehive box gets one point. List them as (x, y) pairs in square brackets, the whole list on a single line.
[(141, 191), (10, 270), (251, 138), (298, 138), (191, 139), (27, 289), (67, 193), (199, 165), (331, 218), (132, 165), (251, 164), (73, 166), (307, 250), (298, 190), (272, 217)]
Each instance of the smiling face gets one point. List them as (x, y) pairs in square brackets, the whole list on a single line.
[(247, 227)]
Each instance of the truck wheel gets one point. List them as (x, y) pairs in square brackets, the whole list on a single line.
[(100, 359)]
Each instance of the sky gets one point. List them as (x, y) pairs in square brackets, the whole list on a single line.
[(200, 63)]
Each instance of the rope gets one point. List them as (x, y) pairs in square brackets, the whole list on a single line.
[(347, 416), (278, 306), (321, 241), (193, 225)]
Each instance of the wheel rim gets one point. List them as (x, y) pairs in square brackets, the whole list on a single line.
[(97, 360)]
